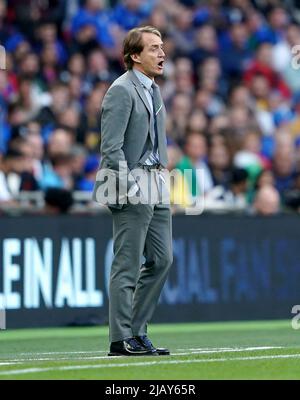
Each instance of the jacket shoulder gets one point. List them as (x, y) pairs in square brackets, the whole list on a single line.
[(122, 82)]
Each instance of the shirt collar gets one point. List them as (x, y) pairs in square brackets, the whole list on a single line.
[(145, 80)]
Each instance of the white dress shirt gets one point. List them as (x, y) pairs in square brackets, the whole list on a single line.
[(147, 86)]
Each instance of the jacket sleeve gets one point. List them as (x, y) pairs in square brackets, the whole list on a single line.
[(115, 115), (116, 110)]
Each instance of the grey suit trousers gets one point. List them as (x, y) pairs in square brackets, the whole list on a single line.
[(141, 230)]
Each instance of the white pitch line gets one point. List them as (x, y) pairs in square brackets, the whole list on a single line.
[(145, 364), (200, 351), (7, 363), (25, 360), (228, 350), (62, 352), (232, 348)]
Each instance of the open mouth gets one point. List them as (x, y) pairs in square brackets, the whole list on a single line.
[(161, 64)]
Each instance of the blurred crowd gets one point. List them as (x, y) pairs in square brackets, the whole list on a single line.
[(231, 87)]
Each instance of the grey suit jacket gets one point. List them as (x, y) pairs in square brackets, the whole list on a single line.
[(127, 135)]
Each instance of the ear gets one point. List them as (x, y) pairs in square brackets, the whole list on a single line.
[(136, 58)]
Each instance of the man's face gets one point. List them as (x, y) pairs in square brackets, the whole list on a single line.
[(150, 61), (196, 147)]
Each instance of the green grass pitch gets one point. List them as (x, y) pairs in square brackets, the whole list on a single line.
[(223, 350)]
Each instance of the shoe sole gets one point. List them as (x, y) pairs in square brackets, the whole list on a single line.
[(163, 353), (148, 353)]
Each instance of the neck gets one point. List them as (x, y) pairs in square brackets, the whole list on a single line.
[(4, 169), (140, 69), (193, 160)]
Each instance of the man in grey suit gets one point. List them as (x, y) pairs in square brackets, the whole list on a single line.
[(133, 160)]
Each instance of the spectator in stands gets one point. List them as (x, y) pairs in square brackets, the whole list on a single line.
[(207, 100), (284, 161), (278, 20), (291, 197), (47, 35), (218, 124), (58, 173), (18, 46), (184, 76), (91, 166), (60, 100), (60, 142), (15, 174), (8, 83), (50, 65), (206, 45), (284, 169), (77, 91), (57, 201), (71, 120), (240, 119), (249, 155), (195, 159), (182, 30), (6, 197), (180, 196), (263, 65), (25, 102), (294, 124), (130, 13), (267, 201), (197, 122), (240, 95), (79, 159), (97, 69), (158, 17), (232, 199), (234, 51), (90, 116), (77, 65), (219, 162), (92, 26), (26, 13), (3, 10), (258, 29), (180, 110), (35, 142), (210, 71), (16, 117), (264, 178), (29, 69)]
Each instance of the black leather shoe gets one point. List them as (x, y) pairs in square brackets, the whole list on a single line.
[(129, 347), (146, 342)]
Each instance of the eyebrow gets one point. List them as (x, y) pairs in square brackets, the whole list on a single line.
[(156, 45)]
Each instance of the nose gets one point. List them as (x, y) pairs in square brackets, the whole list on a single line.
[(162, 53)]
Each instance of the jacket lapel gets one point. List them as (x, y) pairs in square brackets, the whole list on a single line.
[(140, 90)]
